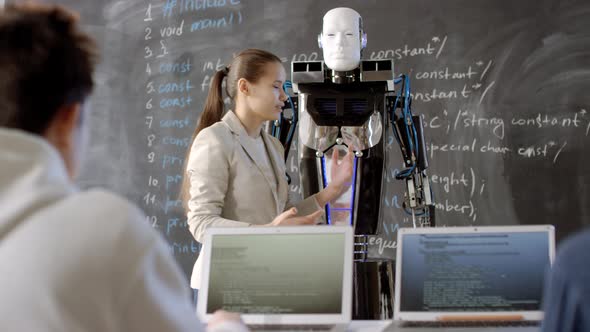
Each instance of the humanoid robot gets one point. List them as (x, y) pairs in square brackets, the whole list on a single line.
[(344, 101)]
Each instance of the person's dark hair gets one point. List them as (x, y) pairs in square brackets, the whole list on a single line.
[(46, 62), (249, 64)]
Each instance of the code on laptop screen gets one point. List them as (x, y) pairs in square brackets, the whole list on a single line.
[(473, 272), (277, 273)]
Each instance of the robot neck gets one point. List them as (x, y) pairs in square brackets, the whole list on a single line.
[(343, 77)]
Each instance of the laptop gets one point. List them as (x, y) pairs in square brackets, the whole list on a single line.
[(279, 278), (480, 275)]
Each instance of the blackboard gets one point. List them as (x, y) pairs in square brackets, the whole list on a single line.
[(502, 85)]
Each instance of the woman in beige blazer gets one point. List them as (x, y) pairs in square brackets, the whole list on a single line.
[(235, 174)]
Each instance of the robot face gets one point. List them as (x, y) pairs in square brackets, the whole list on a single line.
[(341, 39)]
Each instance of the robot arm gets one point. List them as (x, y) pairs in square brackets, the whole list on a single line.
[(284, 128), (408, 132)]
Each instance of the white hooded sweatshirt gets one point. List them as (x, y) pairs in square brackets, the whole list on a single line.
[(80, 261)]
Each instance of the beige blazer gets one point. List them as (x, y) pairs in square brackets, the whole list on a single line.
[(229, 185)]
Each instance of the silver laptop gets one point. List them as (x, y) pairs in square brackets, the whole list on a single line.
[(279, 277), (472, 274)]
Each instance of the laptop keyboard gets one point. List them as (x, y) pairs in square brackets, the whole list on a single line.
[(518, 323), (291, 327)]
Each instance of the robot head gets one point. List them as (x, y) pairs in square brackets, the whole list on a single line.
[(342, 39)]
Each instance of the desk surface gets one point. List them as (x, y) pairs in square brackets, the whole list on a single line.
[(389, 326)]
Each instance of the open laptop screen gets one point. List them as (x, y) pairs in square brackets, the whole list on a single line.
[(499, 271), (277, 273)]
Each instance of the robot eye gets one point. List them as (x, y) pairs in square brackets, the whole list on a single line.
[(331, 35)]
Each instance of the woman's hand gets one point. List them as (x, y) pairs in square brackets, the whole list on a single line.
[(341, 178), (290, 218), (341, 173)]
